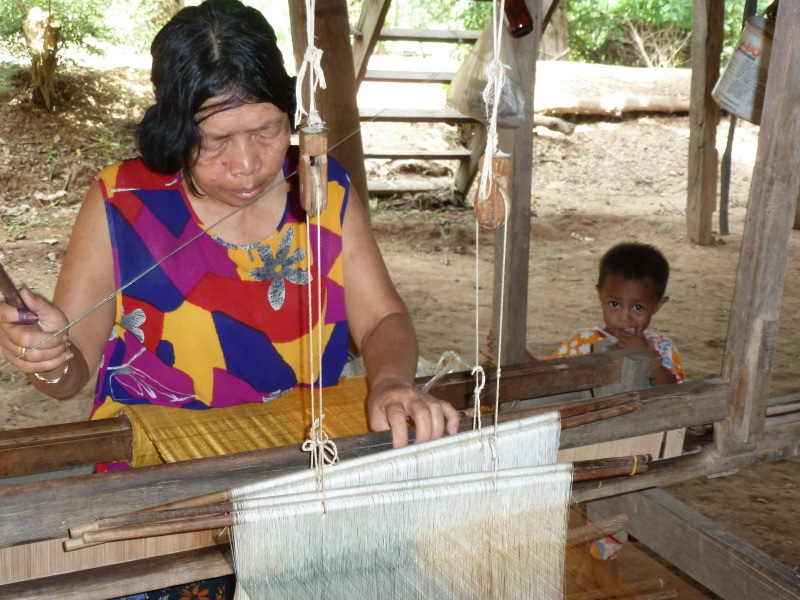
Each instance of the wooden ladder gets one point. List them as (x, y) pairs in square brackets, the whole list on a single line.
[(369, 31)]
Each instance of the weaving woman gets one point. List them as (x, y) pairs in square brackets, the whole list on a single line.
[(199, 243)]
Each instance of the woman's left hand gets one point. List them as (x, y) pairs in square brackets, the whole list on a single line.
[(393, 403)]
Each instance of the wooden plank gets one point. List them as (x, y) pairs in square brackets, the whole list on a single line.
[(370, 24), (47, 558), (413, 115), (583, 371), (467, 171), (765, 244), (707, 33), (128, 578), (419, 154), (397, 186), (781, 442), (336, 103), (451, 36), (542, 379), (24, 451), (409, 76), (660, 409), (722, 562)]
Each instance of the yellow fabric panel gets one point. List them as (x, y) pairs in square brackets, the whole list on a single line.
[(163, 434), (109, 175), (196, 360), (337, 270), (295, 352)]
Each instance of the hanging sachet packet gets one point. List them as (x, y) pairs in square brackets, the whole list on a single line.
[(466, 90)]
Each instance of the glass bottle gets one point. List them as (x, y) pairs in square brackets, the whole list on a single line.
[(520, 22)]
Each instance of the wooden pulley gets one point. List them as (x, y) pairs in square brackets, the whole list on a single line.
[(491, 212), (313, 170)]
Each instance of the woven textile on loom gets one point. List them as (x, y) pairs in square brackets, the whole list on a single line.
[(165, 435)]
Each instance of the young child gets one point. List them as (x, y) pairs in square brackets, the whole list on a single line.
[(631, 288)]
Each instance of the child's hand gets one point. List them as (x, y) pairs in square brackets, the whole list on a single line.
[(632, 338)]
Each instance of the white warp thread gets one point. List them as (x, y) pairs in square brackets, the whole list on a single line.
[(416, 539)]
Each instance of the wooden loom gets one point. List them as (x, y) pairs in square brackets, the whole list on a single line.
[(749, 429), (36, 510)]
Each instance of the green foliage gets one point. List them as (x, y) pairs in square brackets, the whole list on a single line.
[(81, 23), (639, 32), (146, 18), (7, 74), (424, 14)]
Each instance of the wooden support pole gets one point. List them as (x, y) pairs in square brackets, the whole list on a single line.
[(336, 103), (707, 33), (513, 287), (370, 24), (765, 245)]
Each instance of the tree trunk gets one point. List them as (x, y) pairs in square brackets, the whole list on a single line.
[(42, 36)]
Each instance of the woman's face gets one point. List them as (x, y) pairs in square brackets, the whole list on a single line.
[(242, 151)]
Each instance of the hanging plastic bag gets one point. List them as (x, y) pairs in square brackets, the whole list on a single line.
[(466, 90)]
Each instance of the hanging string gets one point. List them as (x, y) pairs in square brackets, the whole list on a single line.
[(496, 76), (495, 80), (322, 449), (477, 372), (311, 66)]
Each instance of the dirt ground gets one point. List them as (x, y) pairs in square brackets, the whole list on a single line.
[(612, 180)]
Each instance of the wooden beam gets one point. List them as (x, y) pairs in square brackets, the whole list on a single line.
[(409, 76), (40, 449), (36, 511), (370, 24), (451, 36), (510, 304), (660, 409), (336, 103), (771, 208), (127, 578), (467, 170), (722, 562), (416, 115), (707, 33), (419, 154), (542, 379)]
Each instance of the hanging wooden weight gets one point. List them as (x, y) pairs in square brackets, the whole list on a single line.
[(313, 170), (491, 212)]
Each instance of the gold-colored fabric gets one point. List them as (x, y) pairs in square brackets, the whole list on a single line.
[(163, 435)]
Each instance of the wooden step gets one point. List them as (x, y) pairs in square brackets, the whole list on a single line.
[(429, 35), (408, 76), (413, 115), (419, 154), (390, 187)]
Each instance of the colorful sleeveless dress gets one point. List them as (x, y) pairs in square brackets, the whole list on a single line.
[(202, 323)]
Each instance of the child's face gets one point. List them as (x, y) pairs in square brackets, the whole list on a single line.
[(628, 304)]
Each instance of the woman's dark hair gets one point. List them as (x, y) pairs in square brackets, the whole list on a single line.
[(635, 262), (219, 48)]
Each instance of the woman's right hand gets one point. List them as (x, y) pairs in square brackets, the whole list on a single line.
[(32, 348)]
